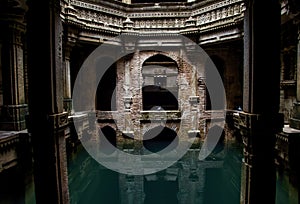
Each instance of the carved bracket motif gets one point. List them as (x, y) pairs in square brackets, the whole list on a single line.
[(59, 120), (127, 103)]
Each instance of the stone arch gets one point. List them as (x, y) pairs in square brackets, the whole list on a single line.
[(160, 87), (170, 55), (160, 137)]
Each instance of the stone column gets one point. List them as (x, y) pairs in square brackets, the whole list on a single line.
[(294, 136), (295, 117), (67, 78), (260, 119), (47, 121), (14, 107)]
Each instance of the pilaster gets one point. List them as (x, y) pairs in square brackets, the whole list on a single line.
[(295, 117), (260, 119), (14, 108), (67, 75), (47, 120)]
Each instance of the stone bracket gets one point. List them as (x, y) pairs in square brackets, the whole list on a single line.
[(193, 133), (194, 100), (59, 121), (127, 103)]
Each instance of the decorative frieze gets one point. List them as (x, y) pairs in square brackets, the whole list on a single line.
[(116, 18), (215, 6), (95, 7), (160, 14)]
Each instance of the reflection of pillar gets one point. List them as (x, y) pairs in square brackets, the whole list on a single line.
[(260, 119), (14, 108), (295, 117), (47, 121)]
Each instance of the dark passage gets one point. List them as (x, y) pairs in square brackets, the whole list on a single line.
[(156, 96), (161, 137)]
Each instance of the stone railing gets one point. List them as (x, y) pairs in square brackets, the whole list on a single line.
[(214, 114), (160, 115), (10, 148), (105, 115)]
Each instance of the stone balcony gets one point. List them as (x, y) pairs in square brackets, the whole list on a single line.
[(100, 20)]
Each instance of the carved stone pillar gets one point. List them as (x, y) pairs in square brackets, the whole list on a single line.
[(295, 117), (194, 129), (260, 119), (12, 24), (47, 121), (67, 78)]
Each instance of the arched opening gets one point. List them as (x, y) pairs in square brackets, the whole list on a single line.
[(160, 87), (106, 97), (158, 138), (108, 140), (220, 65)]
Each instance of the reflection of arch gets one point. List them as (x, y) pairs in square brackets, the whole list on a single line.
[(160, 83), (212, 136), (161, 137), (220, 65), (159, 189), (106, 97), (108, 140)]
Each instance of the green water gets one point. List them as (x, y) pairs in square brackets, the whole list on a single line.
[(189, 181), (215, 180)]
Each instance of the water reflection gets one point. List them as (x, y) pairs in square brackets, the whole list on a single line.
[(286, 192), (215, 180)]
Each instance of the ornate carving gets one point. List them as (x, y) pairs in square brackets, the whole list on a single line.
[(127, 103), (59, 120), (106, 18)]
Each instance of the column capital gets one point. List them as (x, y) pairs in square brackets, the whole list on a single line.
[(13, 10), (69, 44)]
